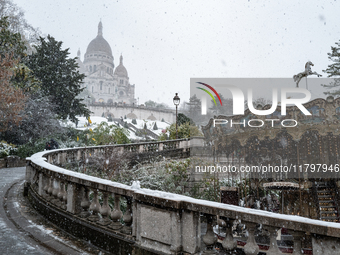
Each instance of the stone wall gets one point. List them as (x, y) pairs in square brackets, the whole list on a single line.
[(12, 161), (133, 112)]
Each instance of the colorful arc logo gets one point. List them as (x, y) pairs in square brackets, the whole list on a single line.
[(212, 89)]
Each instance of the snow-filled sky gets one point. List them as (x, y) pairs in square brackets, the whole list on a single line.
[(165, 43)]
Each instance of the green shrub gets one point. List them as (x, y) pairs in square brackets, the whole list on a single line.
[(184, 131), (28, 149), (105, 134), (7, 149)]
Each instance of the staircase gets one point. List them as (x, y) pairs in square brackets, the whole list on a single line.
[(328, 209)]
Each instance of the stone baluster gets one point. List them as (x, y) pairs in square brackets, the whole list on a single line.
[(116, 214), (42, 184), (127, 217), (79, 155), (209, 239), (48, 181), (74, 196), (50, 189), (160, 146), (61, 195), (229, 243), (94, 207), (85, 203), (273, 247), (105, 210), (251, 248), (55, 191), (297, 241), (64, 198)]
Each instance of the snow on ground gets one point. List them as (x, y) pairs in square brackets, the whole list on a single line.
[(150, 124), (96, 120)]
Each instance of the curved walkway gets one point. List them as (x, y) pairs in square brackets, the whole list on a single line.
[(22, 230)]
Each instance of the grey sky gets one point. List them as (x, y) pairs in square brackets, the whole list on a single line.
[(165, 43)]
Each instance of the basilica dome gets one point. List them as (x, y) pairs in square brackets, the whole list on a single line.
[(99, 44), (120, 69)]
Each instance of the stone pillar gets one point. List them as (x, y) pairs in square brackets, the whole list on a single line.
[(28, 175), (176, 231), (251, 248), (325, 245), (297, 241), (73, 198), (191, 232)]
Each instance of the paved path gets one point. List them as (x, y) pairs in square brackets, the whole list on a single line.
[(23, 230), (12, 241)]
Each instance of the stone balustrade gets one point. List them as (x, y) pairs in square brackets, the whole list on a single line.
[(155, 221)]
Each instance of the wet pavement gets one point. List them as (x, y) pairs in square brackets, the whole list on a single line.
[(12, 240), (23, 230)]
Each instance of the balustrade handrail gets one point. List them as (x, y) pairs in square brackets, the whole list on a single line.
[(156, 220), (171, 200)]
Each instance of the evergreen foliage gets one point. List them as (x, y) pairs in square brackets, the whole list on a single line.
[(184, 131), (333, 70), (105, 134), (182, 119), (59, 77)]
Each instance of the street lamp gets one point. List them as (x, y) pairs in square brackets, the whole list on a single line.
[(176, 102)]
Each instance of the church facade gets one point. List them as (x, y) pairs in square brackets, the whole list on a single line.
[(104, 82)]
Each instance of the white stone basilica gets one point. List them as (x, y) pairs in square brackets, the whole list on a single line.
[(104, 83)]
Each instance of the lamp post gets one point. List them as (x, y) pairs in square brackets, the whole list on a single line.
[(176, 102)]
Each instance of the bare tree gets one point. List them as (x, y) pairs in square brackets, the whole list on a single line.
[(18, 23)]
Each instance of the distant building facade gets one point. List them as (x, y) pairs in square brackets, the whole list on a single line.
[(104, 82)]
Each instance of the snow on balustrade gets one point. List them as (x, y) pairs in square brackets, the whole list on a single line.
[(155, 219)]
